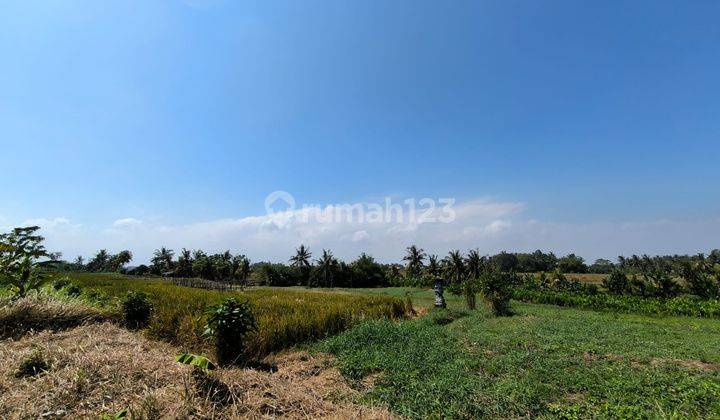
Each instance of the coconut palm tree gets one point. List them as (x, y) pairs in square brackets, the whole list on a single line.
[(474, 263), (414, 257), (301, 257), (184, 264), (455, 266), (326, 268), (99, 261), (433, 267), (162, 260), (301, 260)]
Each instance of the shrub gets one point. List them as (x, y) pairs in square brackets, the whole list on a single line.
[(136, 310), (681, 306), (617, 283), (97, 296), (496, 286), (33, 365), (227, 325), (73, 290), (20, 269), (61, 283), (702, 279)]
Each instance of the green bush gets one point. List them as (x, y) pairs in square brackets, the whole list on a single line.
[(73, 290), (617, 283), (419, 281), (496, 287), (136, 310), (702, 278), (227, 324), (681, 306), (97, 296), (61, 283)]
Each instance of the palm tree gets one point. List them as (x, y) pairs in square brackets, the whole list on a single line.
[(99, 261), (162, 259), (242, 271), (414, 258), (433, 267), (301, 257), (474, 263), (301, 260), (184, 264), (455, 265), (326, 268)]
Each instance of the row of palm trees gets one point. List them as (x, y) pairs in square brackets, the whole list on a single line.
[(454, 266), (325, 267), (456, 269), (461, 272)]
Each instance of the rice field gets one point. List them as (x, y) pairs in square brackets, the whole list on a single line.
[(285, 317)]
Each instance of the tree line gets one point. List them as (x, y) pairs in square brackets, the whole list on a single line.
[(329, 271)]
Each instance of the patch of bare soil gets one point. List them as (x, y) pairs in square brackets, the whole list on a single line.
[(101, 368), (637, 363), (686, 363)]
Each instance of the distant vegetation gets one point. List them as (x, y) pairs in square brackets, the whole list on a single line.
[(494, 277)]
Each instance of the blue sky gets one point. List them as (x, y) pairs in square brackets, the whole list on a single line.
[(595, 126)]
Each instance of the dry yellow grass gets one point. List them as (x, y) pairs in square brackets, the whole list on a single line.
[(42, 312), (102, 368)]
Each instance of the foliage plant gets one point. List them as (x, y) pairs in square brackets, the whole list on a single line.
[(496, 287), (227, 324), (61, 283), (20, 268), (702, 277), (207, 384), (73, 290), (122, 414), (617, 282), (682, 306), (136, 310), (195, 360)]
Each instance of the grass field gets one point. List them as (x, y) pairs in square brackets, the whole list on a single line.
[(543, 362), (286, 316)]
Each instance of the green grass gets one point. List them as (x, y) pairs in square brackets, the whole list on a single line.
[(543, 362), (285, 316)]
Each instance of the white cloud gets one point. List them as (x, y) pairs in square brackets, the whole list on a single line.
[(126, 222), (47, 223), (491, 226)]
